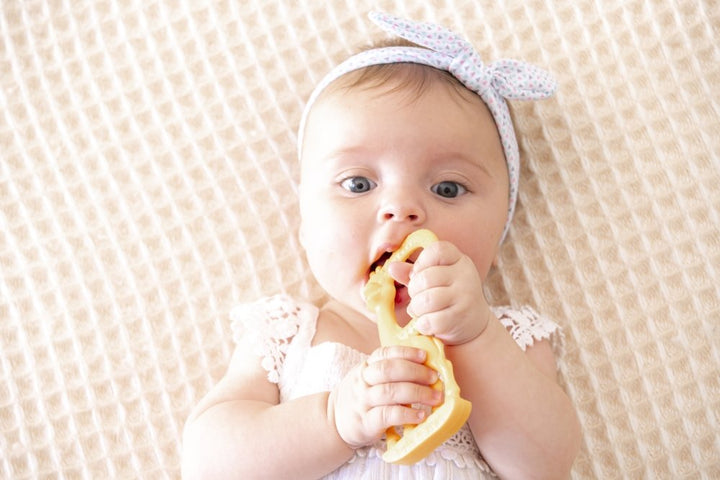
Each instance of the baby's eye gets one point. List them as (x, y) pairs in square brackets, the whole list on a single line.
[(358, 184), (448, 189)]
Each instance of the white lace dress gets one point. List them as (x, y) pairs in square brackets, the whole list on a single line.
[(280, 330)]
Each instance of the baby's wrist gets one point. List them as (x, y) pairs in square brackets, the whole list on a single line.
[(332, 422), (480, 326), (489, 334), (332, 418)]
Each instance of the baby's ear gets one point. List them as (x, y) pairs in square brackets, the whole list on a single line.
[(494, 264), (498, 251)]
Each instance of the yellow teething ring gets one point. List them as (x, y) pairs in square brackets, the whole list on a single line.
[(416, 441)]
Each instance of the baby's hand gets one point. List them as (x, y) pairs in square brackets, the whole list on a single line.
[(375, 395), (446, 293)]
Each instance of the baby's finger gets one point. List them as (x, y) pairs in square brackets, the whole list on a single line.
[(402, 393), (437, 254), (386, 372), (386, 416), (430, 278), (431, 300), (400, 271), (416, 355)]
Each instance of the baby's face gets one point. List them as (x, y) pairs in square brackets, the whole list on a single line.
[(378, 165)]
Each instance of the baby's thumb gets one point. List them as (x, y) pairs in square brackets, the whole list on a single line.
[(400, 271)]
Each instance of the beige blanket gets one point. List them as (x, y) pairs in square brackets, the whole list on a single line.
[(147, 185)]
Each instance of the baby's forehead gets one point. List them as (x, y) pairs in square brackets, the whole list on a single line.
[(354, 118), (413, 79), (403, 84)]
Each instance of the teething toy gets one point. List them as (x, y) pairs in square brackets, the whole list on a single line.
[(416, 441)]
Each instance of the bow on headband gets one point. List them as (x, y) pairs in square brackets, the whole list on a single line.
[(445, 50)]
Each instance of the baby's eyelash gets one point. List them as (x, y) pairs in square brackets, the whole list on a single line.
[(449, 189), (358, 184)]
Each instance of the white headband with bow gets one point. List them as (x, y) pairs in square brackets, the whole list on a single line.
[(445, 50)]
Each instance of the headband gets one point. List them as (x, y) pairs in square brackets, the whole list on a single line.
[(445, 50)]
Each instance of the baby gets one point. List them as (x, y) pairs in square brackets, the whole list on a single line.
[(392, 140)]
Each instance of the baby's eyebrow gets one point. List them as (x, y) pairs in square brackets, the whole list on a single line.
[(332, 159), (348, 151), (344, 153), (454, 157)]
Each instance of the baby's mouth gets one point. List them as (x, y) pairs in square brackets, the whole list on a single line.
[(380, 261), (400, 289)]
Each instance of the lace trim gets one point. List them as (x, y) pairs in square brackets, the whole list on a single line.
[(526, 326), (268, 326), (460, 449)]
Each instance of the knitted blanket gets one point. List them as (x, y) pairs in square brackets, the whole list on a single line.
[(148, 184)]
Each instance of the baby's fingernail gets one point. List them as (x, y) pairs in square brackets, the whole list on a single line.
[(421, 415)]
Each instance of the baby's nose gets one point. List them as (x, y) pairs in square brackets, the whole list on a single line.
[(402, 209)]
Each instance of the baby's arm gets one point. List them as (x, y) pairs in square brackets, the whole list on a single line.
[(240, 430), (522, 421)]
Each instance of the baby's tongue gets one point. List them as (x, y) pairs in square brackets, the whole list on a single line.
[(401, 295)]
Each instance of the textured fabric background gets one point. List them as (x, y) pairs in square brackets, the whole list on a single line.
[(147, 184)]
